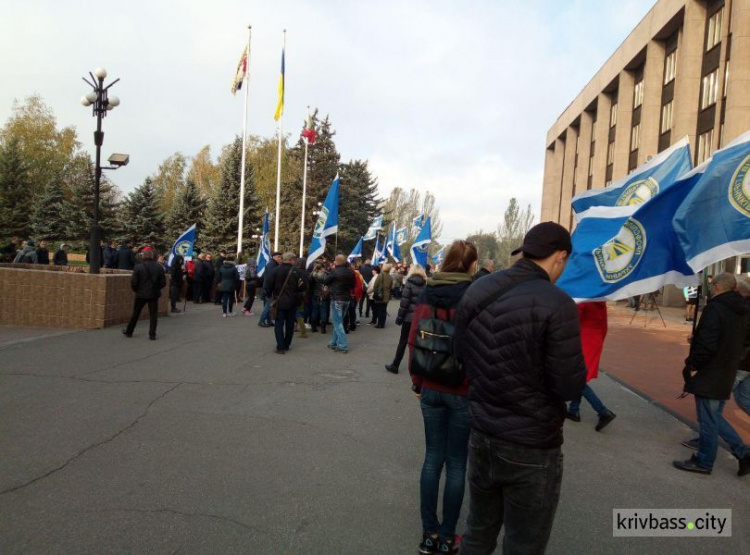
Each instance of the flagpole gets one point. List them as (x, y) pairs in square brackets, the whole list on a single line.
[(304, 198), (278, 172), (244, 146)]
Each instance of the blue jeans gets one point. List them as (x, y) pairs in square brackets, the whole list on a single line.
[(338, 310), (446, 433), (513, 486), (227, 301), (742, 391), (265, 315), (711, 425), (593, 400)]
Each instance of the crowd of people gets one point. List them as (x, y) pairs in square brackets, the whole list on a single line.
[(495, 358)]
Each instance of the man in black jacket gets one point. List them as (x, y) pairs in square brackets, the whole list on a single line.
[(286, 284), (147, 282), (709, 373), (124, 258), (518, 337), (265, 316), (340, 282), (366, 271)]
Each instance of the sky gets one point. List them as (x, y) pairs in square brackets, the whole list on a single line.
[(449, 97)]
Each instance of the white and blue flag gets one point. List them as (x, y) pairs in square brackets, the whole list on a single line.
[(376, 225), (327, 224), (438, 257), (357, 251), (264, 253), (402, 235), (625, 196), (714, 221), (183, 246), (418, 223), (419, 250), (617, 258), (392, 244)]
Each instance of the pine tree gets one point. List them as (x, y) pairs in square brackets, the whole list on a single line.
[(358, 203), (222, 219), (186, 210), (144, 221), (15, 204), (48, 217)]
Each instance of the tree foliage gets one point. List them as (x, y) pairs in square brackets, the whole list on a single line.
[(187, 209), (15, 201), (48, 217), (169, 180), (143, 221)]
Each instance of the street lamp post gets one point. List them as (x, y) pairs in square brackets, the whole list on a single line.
[(101, 102)]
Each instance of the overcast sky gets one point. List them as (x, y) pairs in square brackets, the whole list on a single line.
[(451, 97)]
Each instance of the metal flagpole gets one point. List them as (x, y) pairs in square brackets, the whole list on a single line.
[(278, 172), (244, 146), (304, 198)]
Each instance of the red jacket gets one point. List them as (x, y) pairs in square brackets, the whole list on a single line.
[(593, 317)]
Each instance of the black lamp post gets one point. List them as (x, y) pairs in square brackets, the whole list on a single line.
[(102, 102)]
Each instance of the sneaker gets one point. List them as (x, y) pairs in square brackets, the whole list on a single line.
[(691, 443), (280, 352), (604, 420), (691, 465), (250, 313), (152, 337), (448, 546), (342, 351), (232, 314), (574, 416), (224, 315), (429, 544), (176, 311), (126, 334), (332, 347), (392, 369)]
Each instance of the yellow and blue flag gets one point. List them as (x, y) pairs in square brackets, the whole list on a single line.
[(280, 105)]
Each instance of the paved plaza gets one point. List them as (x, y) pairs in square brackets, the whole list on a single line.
[(206, 441)]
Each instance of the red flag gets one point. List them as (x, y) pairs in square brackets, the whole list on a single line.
[(309, 132), (593, 317)]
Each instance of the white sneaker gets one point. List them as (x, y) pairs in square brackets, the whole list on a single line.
[(224, 315), (233, 314)]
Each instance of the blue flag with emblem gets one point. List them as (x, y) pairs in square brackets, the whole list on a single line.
[(714, 221), (392, 244), (625, 196), (418, 223), (376, 253), (357, 251), (183, 246), (438, 257), (616, 258), (422, 244), (402, 235), (372, 231), (264, 252), (327, 224)]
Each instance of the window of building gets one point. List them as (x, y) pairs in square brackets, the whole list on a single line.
[(638, 94), (710, 88), (591, 162), (713, 37), (705, 146), (721, 135), (670, 66), (635, 137), (666, 117), (726, 80), (613, 115), (610, 153)]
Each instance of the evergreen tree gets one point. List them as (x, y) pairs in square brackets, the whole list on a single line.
[(15, 201), (186, 210), (222, 212), (144, 221), (358, 203), (48, 219)]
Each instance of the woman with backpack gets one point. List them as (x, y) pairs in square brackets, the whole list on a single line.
[(415, 283), (442, 388)]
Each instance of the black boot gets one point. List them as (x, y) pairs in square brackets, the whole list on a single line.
[(314, 329), (322, 328), (391, 368)]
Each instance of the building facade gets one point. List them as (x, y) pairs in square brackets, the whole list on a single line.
[(683, 71)]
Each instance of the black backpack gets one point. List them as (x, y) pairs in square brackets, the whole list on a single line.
[(432, 356)]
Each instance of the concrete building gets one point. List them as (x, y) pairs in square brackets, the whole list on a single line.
[(670, 78)]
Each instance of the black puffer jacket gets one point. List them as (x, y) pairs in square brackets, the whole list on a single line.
[(124, 258), (148, 280), (341, 282), (414, 286), (289, 298), (522, 355), (717, 348)]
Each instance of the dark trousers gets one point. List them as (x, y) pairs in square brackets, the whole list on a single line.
[(380, 311), (197, 291), (206, 292), (153, 313), (174, 295), (227, 301), (362, 302), (352, 316), (513, 486), (319, 313), (402, 343), (284, 328), (249, 296), (368, 306)]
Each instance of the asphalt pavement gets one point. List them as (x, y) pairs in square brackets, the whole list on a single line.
[(206, 441)]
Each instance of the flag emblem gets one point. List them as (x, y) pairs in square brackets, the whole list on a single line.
[(618, 257), (183, 247), (321, 223), (638, 192), (739, 188)]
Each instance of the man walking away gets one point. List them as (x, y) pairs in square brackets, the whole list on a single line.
[(710, 371), (265, 316), (147, 282), (175, 287), (518, 337), (286, 285), (340, 282)]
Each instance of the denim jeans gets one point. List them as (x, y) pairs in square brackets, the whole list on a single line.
[(513, 486), (265, 315), (319, 313), (446, 433), (742, 391), (593, 400), (227, 301), (711, 425), (338, 310), (284, 328)]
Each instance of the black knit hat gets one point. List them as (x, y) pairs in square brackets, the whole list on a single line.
[(544, 239)]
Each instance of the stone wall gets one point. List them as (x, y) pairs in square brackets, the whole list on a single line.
[(67, 297)]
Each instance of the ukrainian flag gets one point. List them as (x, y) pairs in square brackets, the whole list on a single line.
[(280, 105)]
